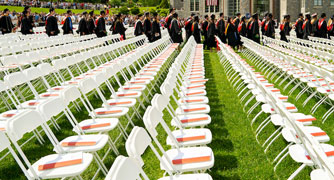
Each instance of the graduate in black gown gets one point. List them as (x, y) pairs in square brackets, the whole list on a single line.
[(26, 27), (91, 23), (51, 24), (176, 30), (314, 22), (212, 32), (299, 25), (255, 28), (118, 27), (221, 28), (196, 32), (6, 22), (139, 30), (285, 28), (100, 29), (263, 23), (187, 26), (204, 31), (237, 20), (67, 23), (330, 27), (156, 32), (231, 33), (269, 27), (83, 28), (169, 19), (148, 26), (249, 28), (307, 27), (322, 26), (242, 29)]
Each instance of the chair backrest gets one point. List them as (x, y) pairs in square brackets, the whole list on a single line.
[(124, 168), (70, 94), (51, 107), (33, 73), (15, 79), (4, 142), (137, 142), (87, 85), (160, 101), (152, 118), (23, 123), (46, 68)]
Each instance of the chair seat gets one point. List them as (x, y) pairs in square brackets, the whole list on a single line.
[(11, 113), (298, 153), (140, 78), (100, 140), (191, 137), (319, 174), (193, 109), (194, 100), (192, 120), (136, 82), (112, 112), (193, 87), (133, 88), (32, 104), (175, 155), (127, 94), (124, 102), (50, 94), (67, 171), (188, 177), (190, 93), (97, 125)]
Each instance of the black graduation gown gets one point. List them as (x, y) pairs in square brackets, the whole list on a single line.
[(307, 29), (6, 24), (52, 26), (322, 31), (205, 32), (221, 30), (256, 31), (83, 28), (231, 34), (243, 31), (26, 27), (176, 31), (90, 26), (211, 35), (285, 32), (100, 28), (67, 28), (331, 32), (119, 29), (187, 27), (299, 28), (196, 32), (156, 32), (270, 31), (148, 29), (236, 22), (314, 31), (168, 23), (139, 28), (249, 30)]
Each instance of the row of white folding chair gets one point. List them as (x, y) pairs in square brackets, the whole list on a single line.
[(311, 55), (18, 61), (278, 106), (322, 40), (307, 43), (153, 116), (294, 69)]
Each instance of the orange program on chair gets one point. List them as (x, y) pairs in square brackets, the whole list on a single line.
[(191, 160), (95, 126), (59, 164)]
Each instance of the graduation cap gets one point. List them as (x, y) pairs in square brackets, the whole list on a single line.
[(314, 15), (84, 13)]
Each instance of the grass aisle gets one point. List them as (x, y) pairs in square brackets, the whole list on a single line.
[(237, 154)]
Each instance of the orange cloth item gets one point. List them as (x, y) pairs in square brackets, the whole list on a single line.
[(194, 100), (2, 129), (128, 88), (33, 103), (194, 120), (329, 153), (8, 115), (95, 126), (119, 103), (194, 109), (128, 94), (319, 134), (306, 119), (87, 143), (198, 81), (50, 95), (275, 90), (137, 82), (57, 89), (189, 94), (191, 160), (59, 164), (290, 108), (108, 112), (193, 138), (196, 77)]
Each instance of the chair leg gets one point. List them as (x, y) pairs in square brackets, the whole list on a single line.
[(294, 174)]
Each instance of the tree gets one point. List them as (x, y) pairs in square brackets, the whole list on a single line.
[(135, 10), (164, 4), (115, 3), (124, 10)]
